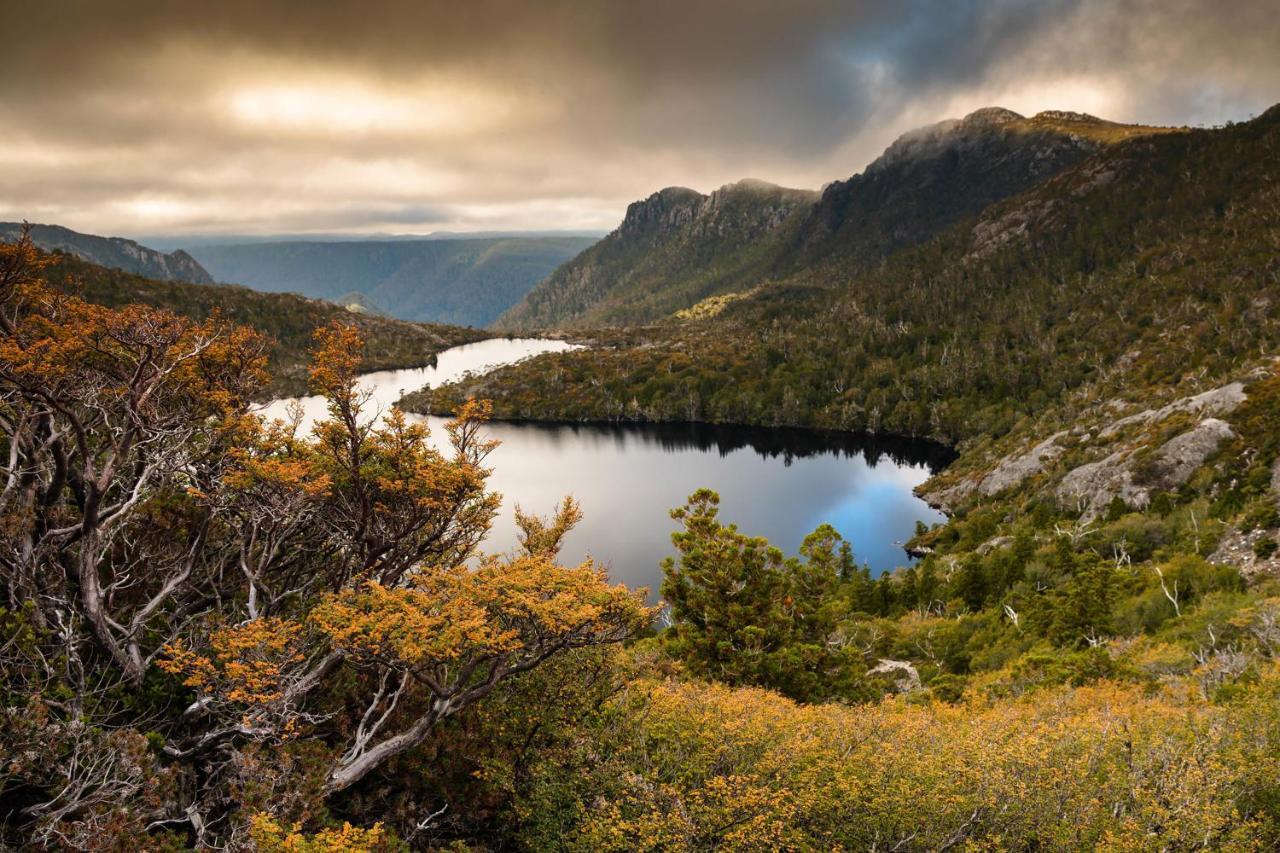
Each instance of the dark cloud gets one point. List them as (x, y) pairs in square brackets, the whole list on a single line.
[(402, 114)]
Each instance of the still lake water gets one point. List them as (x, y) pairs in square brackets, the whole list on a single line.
[(780, 484)]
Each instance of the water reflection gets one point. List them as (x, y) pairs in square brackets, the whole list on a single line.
[(785, 443), (782, 486), (778, 483)]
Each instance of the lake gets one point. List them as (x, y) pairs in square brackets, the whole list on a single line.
[(777, 483)]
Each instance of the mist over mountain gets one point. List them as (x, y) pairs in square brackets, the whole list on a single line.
[(462, 281), (113, 252)]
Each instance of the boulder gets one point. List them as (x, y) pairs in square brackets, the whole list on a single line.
[(903, 674), (1092, 486)]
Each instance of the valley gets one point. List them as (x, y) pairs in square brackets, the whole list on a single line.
[(456, 280)]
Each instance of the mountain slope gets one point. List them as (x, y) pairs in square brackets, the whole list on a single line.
[(113, 252), (459, 281), (672, 251), (931, 177), (1151, 265), (287, 318)]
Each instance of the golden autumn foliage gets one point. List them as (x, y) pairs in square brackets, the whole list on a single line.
[(270, 837), (246, 663), (272, 616), (1108, 766)]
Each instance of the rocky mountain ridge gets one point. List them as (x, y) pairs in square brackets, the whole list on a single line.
[(679, 247), (671, 250), (112, 252)]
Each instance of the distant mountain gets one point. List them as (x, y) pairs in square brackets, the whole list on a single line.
[(672, 250), (466, 282), (112, 252), (169, 242), (289, 319), (678, 247)]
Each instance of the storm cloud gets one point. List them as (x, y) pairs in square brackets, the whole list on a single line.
[(271, 116)]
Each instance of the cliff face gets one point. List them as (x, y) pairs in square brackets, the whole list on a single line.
[(113, 253), (672, 249)]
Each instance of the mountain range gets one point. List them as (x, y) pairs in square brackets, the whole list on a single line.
[(678, 247), (463, 281), (994, 298), (112, 252)]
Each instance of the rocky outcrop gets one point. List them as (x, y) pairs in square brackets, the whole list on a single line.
[(1179, 457), (1012, 470), (1239, 548), (1219, 401), (1123, 474), (1091, 487), (945, 499), (112, 252)]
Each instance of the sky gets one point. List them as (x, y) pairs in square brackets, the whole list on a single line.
[(256, 117)]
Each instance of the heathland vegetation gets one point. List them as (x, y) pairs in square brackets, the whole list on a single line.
[(222, 632)]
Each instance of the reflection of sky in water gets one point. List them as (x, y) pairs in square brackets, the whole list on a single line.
[(628, 478), (628, 484)]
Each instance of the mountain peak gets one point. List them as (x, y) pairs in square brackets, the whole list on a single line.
[(991, 117), (750, 185), (667, 207), (1067, 116)]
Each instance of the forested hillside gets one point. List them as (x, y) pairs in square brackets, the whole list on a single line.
[(1149, 263), (462, 281), (288, 320), (1085, 655), (220, 633)]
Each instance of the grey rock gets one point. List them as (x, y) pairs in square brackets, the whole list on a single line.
[(1092, 486), (947, 499), (995, 543), (1012, 470), (1179, 457), (905, 677), (1219, 401)]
